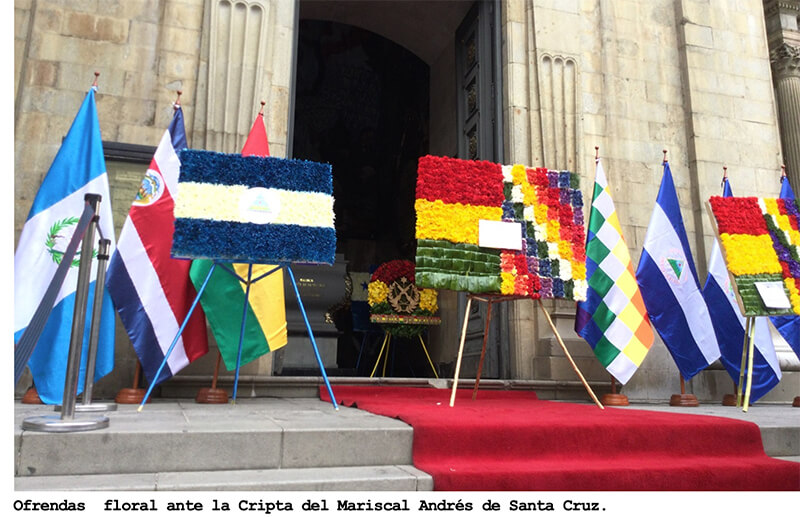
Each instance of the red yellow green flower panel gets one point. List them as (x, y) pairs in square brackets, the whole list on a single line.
[(761, 243), (454, 195)]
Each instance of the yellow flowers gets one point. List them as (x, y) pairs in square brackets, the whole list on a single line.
[(377, 292), (455, 222), (428, 300), (750, 254)]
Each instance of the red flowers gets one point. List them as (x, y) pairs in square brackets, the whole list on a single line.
[(478, 182), (738, 215), (390, 271)]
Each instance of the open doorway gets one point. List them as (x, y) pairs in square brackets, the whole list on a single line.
[(377, 85)]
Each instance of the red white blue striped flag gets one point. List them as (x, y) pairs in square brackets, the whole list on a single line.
[(151, 291)]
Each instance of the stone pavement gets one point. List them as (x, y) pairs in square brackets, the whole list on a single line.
[(267, 443)]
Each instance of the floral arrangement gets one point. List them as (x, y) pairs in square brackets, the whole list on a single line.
[(397, 304), (253, 209), (761, 243), (454, 195)]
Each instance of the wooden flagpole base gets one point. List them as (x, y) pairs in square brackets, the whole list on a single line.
[(683, 400), (213, 395), (133, 395), (614, 399), (31, 397), (796, 402), (729, 399), (130, 396)]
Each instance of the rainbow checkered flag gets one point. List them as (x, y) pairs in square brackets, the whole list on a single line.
[(613, 319)]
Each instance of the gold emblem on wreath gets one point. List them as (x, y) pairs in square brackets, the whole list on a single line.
[(403, 296)]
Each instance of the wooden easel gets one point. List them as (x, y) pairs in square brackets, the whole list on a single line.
[(491, 299)]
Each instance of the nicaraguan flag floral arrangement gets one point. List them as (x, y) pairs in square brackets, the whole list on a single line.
[(254, 209), (454, 195), (397, 304), (761, 243)]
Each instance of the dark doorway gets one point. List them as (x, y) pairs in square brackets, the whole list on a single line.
[(362, 105)]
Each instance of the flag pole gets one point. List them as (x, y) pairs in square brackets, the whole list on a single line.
[(614, 398), (729, 399), (749, 364), (683, 399)]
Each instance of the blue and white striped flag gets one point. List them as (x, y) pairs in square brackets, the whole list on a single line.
[(668, 281), (78, 169), (788, 326), (729, 326)]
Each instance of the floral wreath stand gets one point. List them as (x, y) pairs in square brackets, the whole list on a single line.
[(497, 298), (248, 282), (401, 319)]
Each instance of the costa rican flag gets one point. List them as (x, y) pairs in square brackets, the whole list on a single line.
[(151, 291)]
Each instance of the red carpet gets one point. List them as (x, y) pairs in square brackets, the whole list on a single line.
[(510, 440)]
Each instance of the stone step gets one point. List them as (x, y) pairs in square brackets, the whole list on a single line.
[(183, 436), (363, 478)]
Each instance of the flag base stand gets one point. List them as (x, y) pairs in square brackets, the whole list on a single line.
[(130, 396), (683, 400), (55, 424), (94, 407), (796, 402), (614, 398), (729, 399), (212, 395), (31, 397), (491, 299)]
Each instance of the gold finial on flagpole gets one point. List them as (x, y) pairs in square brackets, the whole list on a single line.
[(596, 153), (177, 103), (783, 172), (665, 155), (261, 111), (96, 75), (724, 176)]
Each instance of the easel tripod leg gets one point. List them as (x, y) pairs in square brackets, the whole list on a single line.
[(460, 352), (178, 335), (313, 341)]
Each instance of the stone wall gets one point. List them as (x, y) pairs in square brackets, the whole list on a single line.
[(688, 76)]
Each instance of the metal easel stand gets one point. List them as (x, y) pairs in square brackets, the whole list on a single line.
[(66, 421), (491, 299), (248, 282)]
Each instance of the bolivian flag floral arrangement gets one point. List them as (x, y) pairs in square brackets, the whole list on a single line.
[(760, 241), (397, 304), (253, 209), (463, 207)]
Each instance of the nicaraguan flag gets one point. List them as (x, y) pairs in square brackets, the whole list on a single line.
[(788, 326), (78, 169), (668, 281), (152, 292), (729, 326)]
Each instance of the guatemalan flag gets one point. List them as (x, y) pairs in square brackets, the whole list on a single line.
[(668, 282), (151, 291), (78, 169), (788, 326), (729, 326)]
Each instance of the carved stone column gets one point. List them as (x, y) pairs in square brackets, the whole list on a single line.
[(785, 61)]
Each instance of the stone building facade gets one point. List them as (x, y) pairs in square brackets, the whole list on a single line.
[(713, 82)]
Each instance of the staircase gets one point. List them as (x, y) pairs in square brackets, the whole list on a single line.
[(264, 444)]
